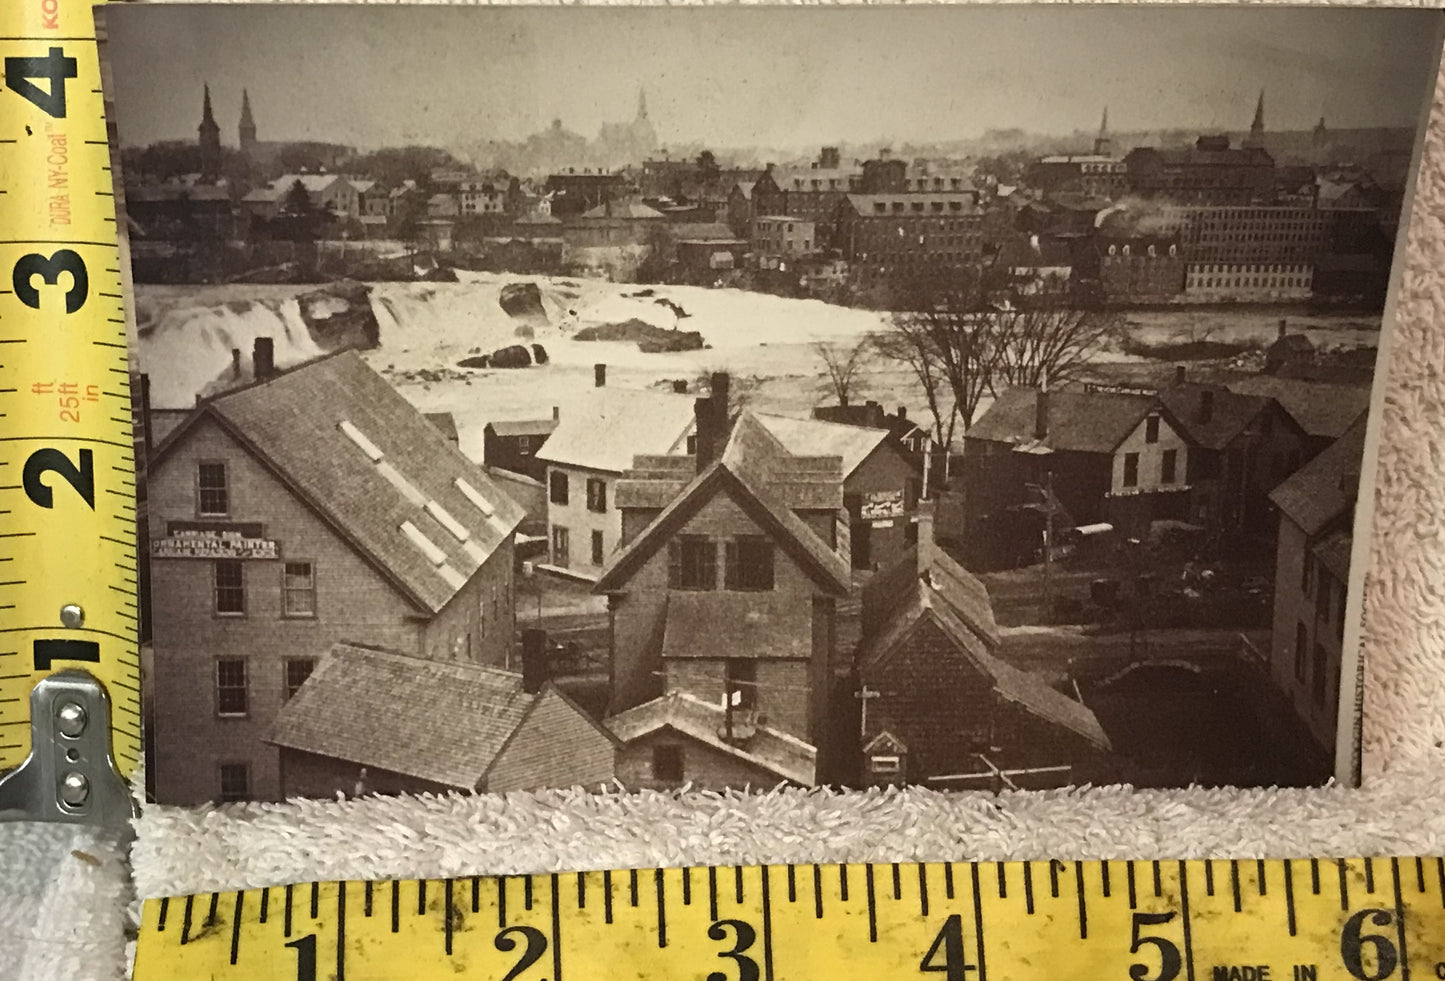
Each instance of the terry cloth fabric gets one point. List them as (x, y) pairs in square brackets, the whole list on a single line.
[(62, 917)]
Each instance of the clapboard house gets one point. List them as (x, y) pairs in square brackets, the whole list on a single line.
[(311, 507), (1312, 580), (1241, 447), (513, 444), (940, 707), (725, 590), (1072, 457)]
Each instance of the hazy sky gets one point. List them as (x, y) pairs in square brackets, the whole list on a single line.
[(795, 77)]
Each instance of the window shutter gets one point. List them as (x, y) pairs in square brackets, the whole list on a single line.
[(709, 574), (732, 578), (674, 564)]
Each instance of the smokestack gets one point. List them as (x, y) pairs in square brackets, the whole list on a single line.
[(1041, 413), (1179, 372), (556, 413), (679, 386), (263, 358), (599, 375), (534, 660), (718, 389), (1206, 405), (705, 432), (235, 362)]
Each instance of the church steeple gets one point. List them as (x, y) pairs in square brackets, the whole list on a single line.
[(248, 124), (209, 138), (1256, 128), (1103, 146)]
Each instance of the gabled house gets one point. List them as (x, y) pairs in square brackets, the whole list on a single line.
[(1312, 578), (1086, 457), (590, 449), (941, 708), (1325, 411), (311, 507), (726, 588), (881, 487), (401, 724), (513, 444), (1240, 448)]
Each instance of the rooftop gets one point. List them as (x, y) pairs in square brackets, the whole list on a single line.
[(815, 437), (385, 478), (1320, 408), (445, 722), (1229, 414), (789, 758), (1088, 422), (611, 426), (1325, 489)]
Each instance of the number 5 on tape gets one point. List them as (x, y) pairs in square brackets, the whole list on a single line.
[(69, 664)]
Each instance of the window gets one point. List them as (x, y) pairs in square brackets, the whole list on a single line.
[(1307, 575), (230, 588), (1167, 468), (1301, 646), (749, 563), (1131, 469), (1322, 663), (740, 681), (298, 590), (667, 763), (231, 686), (561, 546), (596, 495), (1323, 594), (597, 555), (1151, 429), (235, 780), (558, 485), (211, 495), (298, 669), (692, 563)]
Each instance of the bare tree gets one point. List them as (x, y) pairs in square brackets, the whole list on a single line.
[(1050, 341), (843, 367)]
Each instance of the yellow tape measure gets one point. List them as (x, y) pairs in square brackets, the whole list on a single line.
[(67, 468), (1272, 920)]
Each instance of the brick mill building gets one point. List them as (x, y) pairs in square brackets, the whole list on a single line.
[(311, 507), (725, 590)]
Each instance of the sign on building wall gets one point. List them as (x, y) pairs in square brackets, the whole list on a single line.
[(882, 505), (214, 540)]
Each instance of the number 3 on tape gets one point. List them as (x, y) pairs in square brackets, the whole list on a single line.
[(69, 657)]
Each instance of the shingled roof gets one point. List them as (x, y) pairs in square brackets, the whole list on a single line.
[(1229, 414), (815, 437), (390, 483), (777, 752), (1085, 422), (444, 722), (1320, 408), (610, 426), (934, 587), (768, 482), (1326, 487)]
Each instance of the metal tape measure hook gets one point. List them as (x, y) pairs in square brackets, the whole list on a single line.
[(70, 776)]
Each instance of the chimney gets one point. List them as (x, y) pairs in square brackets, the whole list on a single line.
[(705, 430), (235, 362), (1179, 374), (534, 660), (885, 153), (599, 375), (679, 386), (263, 358), (719, 386), (902, 413), (556, 413), (1041, 413), (1206, 405), (1282, 324)]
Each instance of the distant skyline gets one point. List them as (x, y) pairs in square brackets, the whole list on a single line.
[(735, 77)]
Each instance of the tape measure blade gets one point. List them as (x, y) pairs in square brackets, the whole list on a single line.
[(67, 468)]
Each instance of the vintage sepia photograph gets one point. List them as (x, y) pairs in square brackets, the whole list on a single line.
[(976, 398)]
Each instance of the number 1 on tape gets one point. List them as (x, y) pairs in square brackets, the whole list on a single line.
[(68, 567)]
